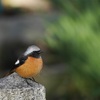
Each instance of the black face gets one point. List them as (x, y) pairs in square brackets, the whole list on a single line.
[(35, 54)]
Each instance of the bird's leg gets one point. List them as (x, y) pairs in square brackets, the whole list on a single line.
[(27, 81), (33, 79)]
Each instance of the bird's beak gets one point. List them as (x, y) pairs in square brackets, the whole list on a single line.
[(40, 52)]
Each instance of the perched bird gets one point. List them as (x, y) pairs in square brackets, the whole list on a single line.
[(29, 64)]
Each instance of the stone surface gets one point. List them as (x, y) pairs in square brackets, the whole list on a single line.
[(13, 87)]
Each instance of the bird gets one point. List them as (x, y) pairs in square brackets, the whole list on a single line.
[(29, 64)]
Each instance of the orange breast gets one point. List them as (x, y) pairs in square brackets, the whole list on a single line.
[(30, 68)]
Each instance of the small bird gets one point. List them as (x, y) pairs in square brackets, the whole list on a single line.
[(29, 64)]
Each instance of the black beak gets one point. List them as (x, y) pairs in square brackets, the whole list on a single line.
[(39, 52)]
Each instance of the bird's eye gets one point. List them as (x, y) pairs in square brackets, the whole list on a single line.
[(38, 52), (35, 54)]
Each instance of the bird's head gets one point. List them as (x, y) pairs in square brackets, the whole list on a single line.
[(33, 51)]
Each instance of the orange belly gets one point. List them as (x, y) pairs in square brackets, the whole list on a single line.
[(30, 68)]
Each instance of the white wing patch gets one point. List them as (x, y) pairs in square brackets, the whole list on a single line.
[(17, 62)]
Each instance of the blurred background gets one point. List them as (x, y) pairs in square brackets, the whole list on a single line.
[(68, 31)]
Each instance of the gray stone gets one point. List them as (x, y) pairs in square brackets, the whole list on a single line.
[(13, 87)]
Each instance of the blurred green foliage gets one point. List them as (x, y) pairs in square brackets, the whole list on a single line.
[(75, 37), (73, 7)]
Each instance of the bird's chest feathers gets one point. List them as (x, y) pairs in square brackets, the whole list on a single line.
[(31, 67)]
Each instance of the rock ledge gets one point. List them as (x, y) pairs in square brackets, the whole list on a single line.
[(13, 87)]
